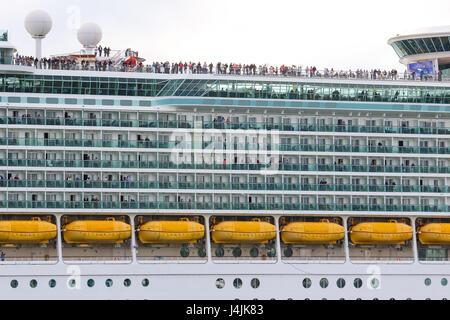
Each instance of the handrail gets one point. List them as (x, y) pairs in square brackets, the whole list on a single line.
[(151, 164), (155, 205), (260, 71)]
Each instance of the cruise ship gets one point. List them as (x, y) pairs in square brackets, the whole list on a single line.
[(119, 182)]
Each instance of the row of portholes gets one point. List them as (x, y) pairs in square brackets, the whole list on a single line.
[(72, 283), (237, 283), (237, 252), (324, 283), (376, 299), (340, 283)]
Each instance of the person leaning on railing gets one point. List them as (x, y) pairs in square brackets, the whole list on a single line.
[(230, 69)]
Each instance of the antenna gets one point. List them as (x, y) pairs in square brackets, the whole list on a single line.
[(38, 24)]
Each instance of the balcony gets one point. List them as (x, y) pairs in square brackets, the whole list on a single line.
[(224, 167), (217, 146), (327, 208), (221, 126)]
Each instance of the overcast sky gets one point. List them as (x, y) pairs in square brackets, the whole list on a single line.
[(325, 33)]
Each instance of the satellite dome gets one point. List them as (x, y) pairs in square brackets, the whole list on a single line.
[(89, 35), (38, 23)]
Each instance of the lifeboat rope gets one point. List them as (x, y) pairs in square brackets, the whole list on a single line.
[(314, 233)]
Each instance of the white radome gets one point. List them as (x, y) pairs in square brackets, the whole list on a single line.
[(38, 23), (89, 35)]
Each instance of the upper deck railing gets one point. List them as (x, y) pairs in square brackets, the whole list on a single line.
[(104, 65)]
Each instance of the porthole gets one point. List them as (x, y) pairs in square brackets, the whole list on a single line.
[(392, 299), (340, 283), (342, 299), (220, 252), (237, 252), (72, 283), (237, 283), (358, 283), (184, 252), (145, 282), (91, 283), (109, 283), (376, 299), (254, 252), (127, 282), (33, 283), (14, 284), (324, 283), (288, 252), (307, 283), (255, 283), (428, 282), (375, 283), (220, 283), (201, 252), (271, 253), (52, 283), (358, 299), (444, 282)]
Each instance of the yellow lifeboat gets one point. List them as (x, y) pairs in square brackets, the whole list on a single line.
[(27, 232), (390, 232), (182, 231), (254, 231), (434, 233), (323, 232), (105, 232)]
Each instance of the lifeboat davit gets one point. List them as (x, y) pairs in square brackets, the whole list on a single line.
[(103, 232), (323, 232), (33, 231), (182, 231), (434, 233), (254, 231), (390, 232)]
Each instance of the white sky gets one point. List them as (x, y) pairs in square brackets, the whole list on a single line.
[(342, 34)]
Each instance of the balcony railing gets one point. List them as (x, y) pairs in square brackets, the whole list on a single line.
[(225, 167), (221, 126), (183, 146), (218, 186), (116, 205)]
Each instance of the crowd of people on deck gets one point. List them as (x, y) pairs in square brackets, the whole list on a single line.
[(100, 50), (130, 64)]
